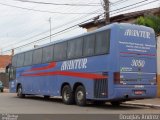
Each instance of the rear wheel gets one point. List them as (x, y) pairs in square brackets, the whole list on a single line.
[(115, 103), (99, 102), (19, 92), (80, 96), (46, 96), (67, 95)]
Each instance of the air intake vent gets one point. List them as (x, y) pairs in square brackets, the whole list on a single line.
[(100, 88)]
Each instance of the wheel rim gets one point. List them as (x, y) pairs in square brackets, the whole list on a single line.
[(19, 91), (80, 95), (66, 95)]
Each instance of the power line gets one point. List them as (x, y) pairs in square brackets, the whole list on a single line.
[(45, 11), (48, 36), (51, 29), (84, 22), (118, 2), (137, 6), (59, 26), (48, 3)]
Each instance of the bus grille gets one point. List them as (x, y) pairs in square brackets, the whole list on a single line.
[(100, 88)]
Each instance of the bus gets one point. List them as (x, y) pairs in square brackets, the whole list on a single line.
[(114, 63)]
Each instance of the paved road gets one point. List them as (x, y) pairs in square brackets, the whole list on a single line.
[(9, 103)]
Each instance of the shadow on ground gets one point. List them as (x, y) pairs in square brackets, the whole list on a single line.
[(107, 105)]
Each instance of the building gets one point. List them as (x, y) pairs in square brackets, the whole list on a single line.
[(4, 61), (125, 18), (129, 18)]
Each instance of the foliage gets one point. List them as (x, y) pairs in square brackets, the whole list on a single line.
[(150, 21)]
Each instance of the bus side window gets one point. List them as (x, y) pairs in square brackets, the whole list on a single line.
[(20, 60), (89, 45), (14, 60), (28, 58), (47, 54), (37, 56), (102, 42), (60, 51), (75, 48)]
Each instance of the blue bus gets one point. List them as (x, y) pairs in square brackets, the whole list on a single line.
[(114, 63)]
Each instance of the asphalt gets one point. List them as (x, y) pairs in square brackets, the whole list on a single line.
[(154, 102)]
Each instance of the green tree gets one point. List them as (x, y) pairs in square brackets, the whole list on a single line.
[(150, 21)]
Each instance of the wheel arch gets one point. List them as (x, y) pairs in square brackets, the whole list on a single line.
[(65, 83), (17, 86), (77, 84)]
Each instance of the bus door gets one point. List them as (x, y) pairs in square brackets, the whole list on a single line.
[(11, 72)]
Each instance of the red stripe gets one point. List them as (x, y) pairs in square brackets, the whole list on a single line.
[(67, 73), (51, 65), (137, 53)]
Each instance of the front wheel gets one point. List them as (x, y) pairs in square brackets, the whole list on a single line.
[(80, 96), (1, 90), (19, 92)]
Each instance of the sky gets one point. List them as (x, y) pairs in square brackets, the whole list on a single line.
[(24, 22)]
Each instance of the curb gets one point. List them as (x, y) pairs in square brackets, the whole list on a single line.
[(144, 105)]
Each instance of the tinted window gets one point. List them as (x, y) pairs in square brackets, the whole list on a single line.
[(20, 60), (60, 50), (102, 42), (47, 54), (37, 56), (28, 58), (14, 61), (89, 45), (75, 48)]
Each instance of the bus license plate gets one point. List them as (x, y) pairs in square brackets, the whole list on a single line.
[(139, 92)]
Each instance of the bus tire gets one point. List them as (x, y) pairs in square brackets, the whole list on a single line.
[(67, 95), (19, 92), (46, 97), (80, 96), (115, 103)]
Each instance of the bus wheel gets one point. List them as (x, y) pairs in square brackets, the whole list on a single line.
[(19, 92), (80, 96), (115, 103), (46, 96), (67, 95)]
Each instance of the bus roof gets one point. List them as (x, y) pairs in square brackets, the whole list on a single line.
[(88, 33)]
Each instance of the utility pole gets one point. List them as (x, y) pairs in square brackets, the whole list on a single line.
[(50, 23), (106, 9)]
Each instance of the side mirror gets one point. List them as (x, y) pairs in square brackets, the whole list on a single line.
[(7, 68)]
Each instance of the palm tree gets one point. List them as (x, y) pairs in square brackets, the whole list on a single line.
[(150, 21)]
